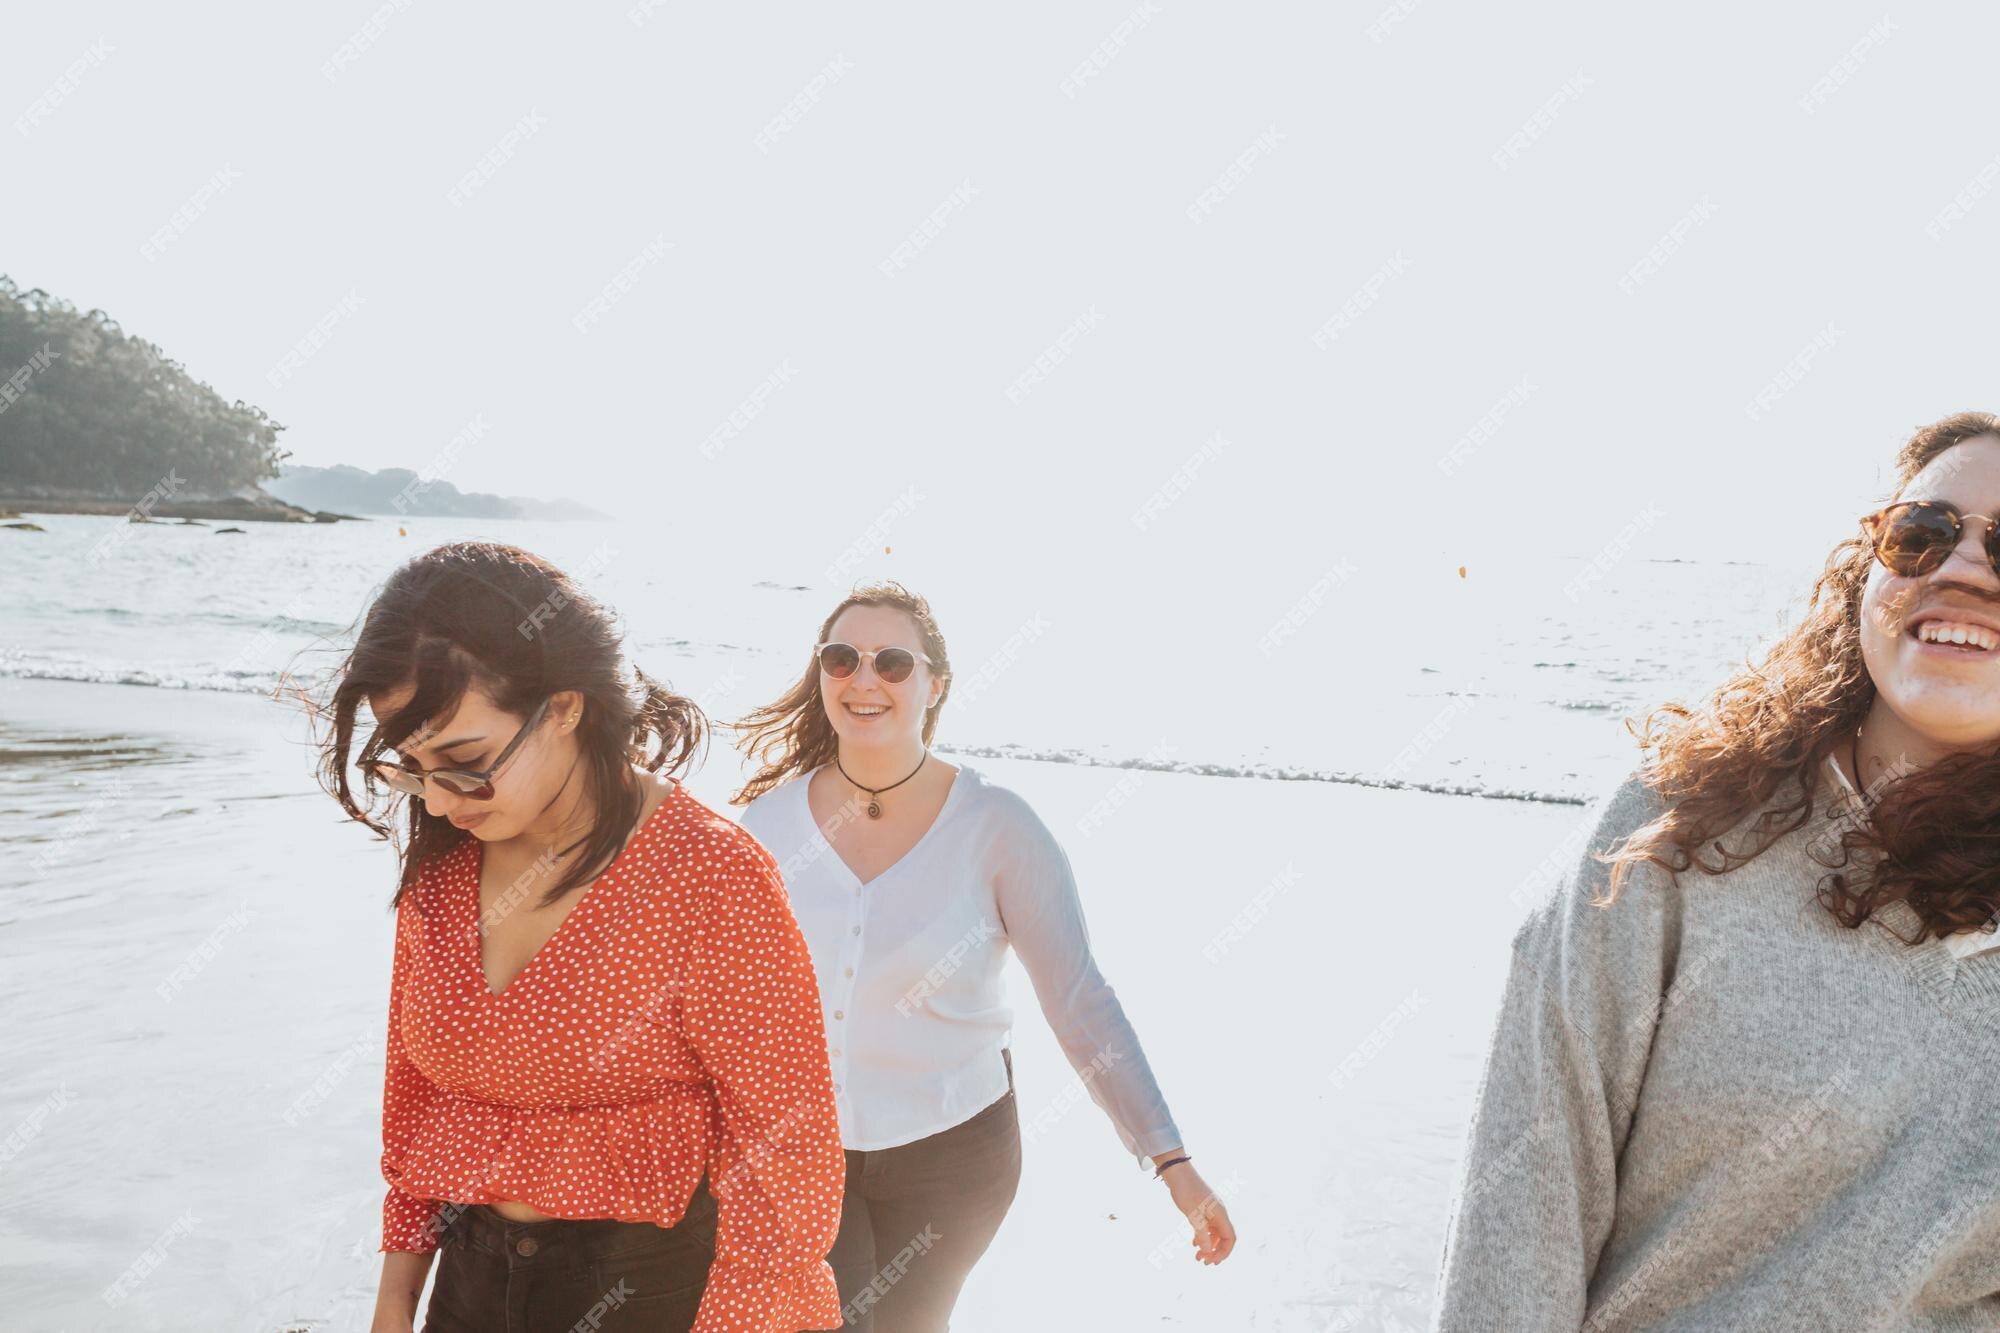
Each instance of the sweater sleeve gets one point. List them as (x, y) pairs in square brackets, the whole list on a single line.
[(1042, 914), (1538, 1187), (408, 1222), (777, 1167)]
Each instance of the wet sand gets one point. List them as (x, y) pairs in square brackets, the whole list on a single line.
[(194, 945)]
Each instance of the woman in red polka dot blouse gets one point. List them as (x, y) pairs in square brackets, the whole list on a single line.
[(608, 1100)]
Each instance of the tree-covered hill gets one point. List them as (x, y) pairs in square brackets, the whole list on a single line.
[(86, 408)]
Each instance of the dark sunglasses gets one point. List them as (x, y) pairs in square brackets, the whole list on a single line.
[(841, 660), (474, 784), (1914, 537)]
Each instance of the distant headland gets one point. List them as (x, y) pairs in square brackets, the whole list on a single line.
[(96, 421), (397, 492)]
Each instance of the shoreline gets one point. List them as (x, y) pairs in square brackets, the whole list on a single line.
[(147, 510), (1134, 765)]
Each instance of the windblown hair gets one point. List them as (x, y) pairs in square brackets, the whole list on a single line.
[(791, 735), (500, 620), (1933, 834)]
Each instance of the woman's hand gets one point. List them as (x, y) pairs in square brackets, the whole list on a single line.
[(1214, 1237)]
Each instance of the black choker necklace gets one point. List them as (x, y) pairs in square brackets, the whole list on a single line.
[(875, 806)]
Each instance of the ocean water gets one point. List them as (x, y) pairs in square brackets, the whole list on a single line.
[(196, 943), (1509, 679)]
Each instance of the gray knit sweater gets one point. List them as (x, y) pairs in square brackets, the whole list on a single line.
[(1710, 1106)]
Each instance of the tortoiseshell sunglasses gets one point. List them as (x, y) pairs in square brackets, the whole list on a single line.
[(1915, 536), (473, 784)]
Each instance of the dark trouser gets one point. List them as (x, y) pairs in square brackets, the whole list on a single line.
[(915, 1218), (497, 1276)]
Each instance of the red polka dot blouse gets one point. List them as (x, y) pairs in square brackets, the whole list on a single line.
[(671, 1025)]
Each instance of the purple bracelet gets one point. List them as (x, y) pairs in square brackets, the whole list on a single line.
[(1160, 1170)]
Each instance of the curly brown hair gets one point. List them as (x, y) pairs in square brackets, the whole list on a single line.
[(791, 734), (1933, 834)]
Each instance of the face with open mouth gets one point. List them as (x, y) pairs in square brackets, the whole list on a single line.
[(865, 709), (1932, 642)]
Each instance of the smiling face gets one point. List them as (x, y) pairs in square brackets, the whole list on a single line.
[(1941, 697), (864, 709), (472, 738)]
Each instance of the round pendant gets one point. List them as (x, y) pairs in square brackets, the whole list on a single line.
[(874, 809)]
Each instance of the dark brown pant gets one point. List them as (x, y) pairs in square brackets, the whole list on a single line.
[(915, 1218), (497, 1276)]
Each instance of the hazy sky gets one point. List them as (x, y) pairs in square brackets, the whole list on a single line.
[(1277, 263)]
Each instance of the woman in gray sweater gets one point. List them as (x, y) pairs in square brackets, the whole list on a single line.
[(1746, 1072)]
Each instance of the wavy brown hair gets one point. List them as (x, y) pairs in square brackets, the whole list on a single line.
[(501, 620), (791, 735), (1933, 835)]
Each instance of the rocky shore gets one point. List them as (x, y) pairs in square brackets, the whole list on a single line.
[(252, 507)]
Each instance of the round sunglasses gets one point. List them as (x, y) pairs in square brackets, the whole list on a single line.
[(841, 660), (474, 784), (1915, 536)]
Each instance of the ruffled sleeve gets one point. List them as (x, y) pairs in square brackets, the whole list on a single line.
[(407, 1221), (777, 1168)]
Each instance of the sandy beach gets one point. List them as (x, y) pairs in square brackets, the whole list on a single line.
[(196, 950)]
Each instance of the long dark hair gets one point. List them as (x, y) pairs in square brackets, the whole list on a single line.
[(1934, 835), (791, 734), (486, 616)]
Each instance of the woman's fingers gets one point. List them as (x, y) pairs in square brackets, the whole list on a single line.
[(1217, 1235)]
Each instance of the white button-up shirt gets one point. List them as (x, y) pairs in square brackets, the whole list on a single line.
[(910, 968)]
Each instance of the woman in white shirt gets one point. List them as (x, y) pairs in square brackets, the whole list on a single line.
[(910, 879)]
